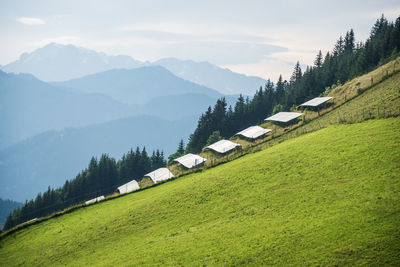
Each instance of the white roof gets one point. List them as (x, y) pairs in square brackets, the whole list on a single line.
[(253, 132), (160, 174), (129, 187), (223, 146), (316, 101), (190, 160), (96, 199), (34, 219), (284, 116)]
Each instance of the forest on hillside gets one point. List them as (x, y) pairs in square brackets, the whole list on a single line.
[(347, 60), (101, 177)]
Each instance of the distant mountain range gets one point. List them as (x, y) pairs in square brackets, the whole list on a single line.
[(37, 151), (56, 62), (136, 86), (49, 131), (29, 106), (52, 157)]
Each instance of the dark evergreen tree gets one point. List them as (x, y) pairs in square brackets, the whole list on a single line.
[(349, 42), (181, 147), (317, 61), (214, 137), (296, 75)]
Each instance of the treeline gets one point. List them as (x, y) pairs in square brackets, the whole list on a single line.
[(347, 60), (101, 177)]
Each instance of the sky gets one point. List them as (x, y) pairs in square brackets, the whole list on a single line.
[(261, 38)]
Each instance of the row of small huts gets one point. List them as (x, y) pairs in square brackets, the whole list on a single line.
[(190, 161)]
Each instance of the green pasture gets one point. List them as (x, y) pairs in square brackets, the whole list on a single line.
[(330, 197)]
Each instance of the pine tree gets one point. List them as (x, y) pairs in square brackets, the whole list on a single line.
[(349, 42), (181, 147), (296, 75), (318, 60), (214, 137), (339, 47)]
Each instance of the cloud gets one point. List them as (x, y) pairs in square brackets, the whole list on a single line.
[(222, 52), (390, 14), (217, 51), (31, 21), (173, 28), (268, 68), (219, 44), (157, 27)]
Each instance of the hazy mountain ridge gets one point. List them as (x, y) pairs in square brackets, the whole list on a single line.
[(207, 74), (7, 206), (49, 131), (29, 106), (57, 62), (136, 86), (52, 157)]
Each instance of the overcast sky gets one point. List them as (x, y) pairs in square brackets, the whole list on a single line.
[(263, 38)]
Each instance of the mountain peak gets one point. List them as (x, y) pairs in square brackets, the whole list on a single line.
[(59, 62), (205, 73)]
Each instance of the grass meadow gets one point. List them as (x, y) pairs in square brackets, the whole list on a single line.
[(330, 197), (355, 101)]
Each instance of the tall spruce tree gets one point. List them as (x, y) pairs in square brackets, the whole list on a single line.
[(317, 61)]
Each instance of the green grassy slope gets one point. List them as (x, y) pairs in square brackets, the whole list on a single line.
[(384, 96), (354, 101), (379, 101), (330, 197)]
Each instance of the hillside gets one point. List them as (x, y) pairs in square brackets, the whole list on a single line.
[(42, 124), (325, 198), (29, 106), (50, 158), (334, 191), (6, 207), (136, 86), (355, 101), (174, 107)]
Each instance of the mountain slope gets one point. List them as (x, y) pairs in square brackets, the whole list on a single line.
[(180, 106), (29, 106), (52, 157), (326, 198), (6, 207), (57, 62), (209, 75), (136, 86)]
